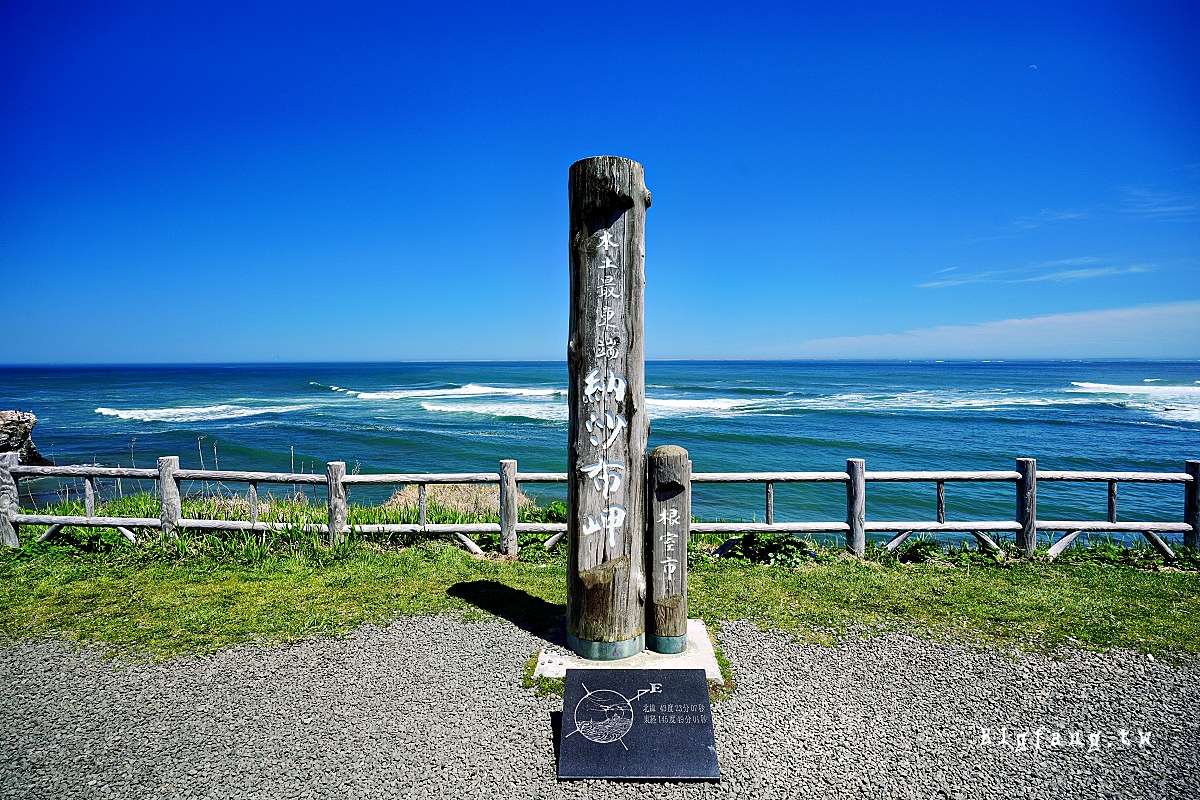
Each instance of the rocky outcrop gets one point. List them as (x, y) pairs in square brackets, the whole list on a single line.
[(16, 436)]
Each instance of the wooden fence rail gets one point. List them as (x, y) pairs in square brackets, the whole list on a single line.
[(1026, 525)]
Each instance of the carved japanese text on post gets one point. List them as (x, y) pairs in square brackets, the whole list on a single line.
[(607, 437)]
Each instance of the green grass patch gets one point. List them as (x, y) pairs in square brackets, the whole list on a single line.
[(544, 686), (200, 593)]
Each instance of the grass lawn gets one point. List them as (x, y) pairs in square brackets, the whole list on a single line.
[(203, 594)]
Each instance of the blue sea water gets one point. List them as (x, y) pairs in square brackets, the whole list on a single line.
[(730, 415)]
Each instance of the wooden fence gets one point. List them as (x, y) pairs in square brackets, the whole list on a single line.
[(1025, 525)]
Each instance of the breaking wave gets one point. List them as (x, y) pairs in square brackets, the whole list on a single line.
[(1172, 403), (196, 413), (469, 390), (551, 412)]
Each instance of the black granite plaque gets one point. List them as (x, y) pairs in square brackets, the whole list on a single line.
[(637, 723)]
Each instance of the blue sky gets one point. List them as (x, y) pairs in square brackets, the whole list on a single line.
[(386, 181)]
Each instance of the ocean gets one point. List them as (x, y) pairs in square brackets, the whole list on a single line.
[(730, 415)]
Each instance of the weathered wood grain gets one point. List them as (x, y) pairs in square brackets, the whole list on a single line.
[(897, 540), (168, 494), (669, 489), (84, 472), (1127, 477), (986, 542), (10, 503), (608, 425), (1159, 544), (50, 533), (1062, 544), (404, 478), (1191, 506), (469, 543), (1097, 526), (252, 500), (775, 477), (956, 477), (1027, 506), (541, 477), (240, 476), (856, 506), (954, 526), (777, 527), (508, 507), (335, 473), (88, 522)]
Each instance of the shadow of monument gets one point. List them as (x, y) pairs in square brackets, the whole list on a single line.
[(533, 614), (556, 732)]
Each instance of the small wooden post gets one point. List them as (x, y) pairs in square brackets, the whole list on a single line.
[(421, 504), (1027, 506), (670, 492), (89, 496), (606, 437), (1191, 506), (856, 506), (168, 495), (336, 471), (508, 507), (10, 500), (770, 502), (1112, 501), (252, 499), (941, 501)]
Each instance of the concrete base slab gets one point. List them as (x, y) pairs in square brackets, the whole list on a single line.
[(553, 661)]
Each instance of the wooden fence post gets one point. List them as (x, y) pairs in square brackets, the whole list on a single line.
[(252, 500), (10, 500), (508, 507), (168, 495), (1027, 506), (856, 506), (1191, 506), (336, 471), (670, 492), (89, 497), (606, 437)]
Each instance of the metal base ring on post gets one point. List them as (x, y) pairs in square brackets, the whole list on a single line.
[(606, 651), (668, 645)]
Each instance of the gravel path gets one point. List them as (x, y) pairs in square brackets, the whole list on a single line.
[(433, 707)]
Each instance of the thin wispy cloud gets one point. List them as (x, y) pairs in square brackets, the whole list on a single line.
[(1085, 274), (1147, 203), (1060, 271), (1047, 217), (1170, 330), (1042, 219)]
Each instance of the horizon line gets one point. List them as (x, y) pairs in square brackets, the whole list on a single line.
[(864, 360)]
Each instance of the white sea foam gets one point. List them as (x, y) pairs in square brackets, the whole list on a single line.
[(553, 412), (1155, 391), (682, 406), (912, 401), (331, 388), (196, 413), (470, 390), (1172, 403)]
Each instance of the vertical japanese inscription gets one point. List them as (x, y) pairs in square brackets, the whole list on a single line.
[(608, 425), (670, 477)]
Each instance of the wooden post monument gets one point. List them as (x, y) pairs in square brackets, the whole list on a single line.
[(606, 448)]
